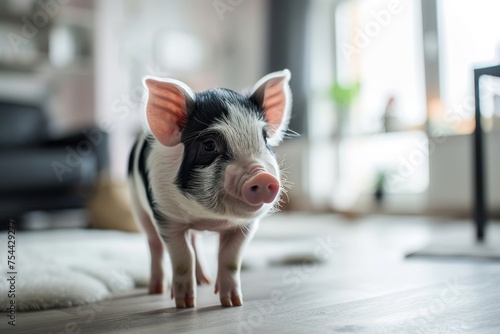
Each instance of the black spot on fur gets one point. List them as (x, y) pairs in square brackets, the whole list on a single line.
[(131, 159), (145, 150), (210, 107)]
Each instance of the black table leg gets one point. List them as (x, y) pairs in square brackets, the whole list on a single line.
[(479, 193), (480, 185)]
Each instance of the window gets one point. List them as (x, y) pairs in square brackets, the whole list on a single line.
[(469, 37), (379, 45)]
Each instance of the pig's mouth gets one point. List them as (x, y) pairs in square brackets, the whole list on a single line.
[(238, 208)]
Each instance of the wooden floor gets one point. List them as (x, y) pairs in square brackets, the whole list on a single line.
[(365, 286)]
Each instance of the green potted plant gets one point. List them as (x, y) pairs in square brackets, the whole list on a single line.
[(344, 97)]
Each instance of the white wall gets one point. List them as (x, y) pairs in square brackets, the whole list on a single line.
[(451, 174)]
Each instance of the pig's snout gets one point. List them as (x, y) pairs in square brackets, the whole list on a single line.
[(261, 188), (253, 185)]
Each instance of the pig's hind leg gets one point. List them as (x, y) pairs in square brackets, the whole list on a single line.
[(201, 277), (156, 248)]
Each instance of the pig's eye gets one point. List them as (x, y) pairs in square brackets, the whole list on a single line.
[(209, 146)]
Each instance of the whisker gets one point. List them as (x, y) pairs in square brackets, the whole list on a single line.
[(285, 185), (245, 229), (290, 134)]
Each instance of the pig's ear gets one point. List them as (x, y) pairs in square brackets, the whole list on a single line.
[(273, 93), (167, 107)]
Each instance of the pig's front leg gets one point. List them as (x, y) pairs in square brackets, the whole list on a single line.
[(183, 268), (231, 246)]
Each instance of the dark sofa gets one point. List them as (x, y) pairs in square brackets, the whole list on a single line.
[(40, 171)]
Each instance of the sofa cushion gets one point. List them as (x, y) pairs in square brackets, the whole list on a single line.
[(32, 170), (21, 125)]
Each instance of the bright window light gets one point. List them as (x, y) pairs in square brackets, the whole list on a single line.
[(469, 37)]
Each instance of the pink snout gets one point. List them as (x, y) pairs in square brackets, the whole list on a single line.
[(262, 188)]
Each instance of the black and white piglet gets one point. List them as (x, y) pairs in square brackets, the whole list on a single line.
[(206, 163)]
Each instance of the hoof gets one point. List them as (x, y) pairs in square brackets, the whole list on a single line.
[(156, 288), (231, 301), (187, 302)]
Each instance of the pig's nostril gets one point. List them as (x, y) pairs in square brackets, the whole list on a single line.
[(254, 188)]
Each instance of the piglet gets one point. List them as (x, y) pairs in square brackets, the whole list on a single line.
[(206, 163)]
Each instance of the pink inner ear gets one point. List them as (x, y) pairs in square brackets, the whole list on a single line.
[(166, 111), (274, 103)]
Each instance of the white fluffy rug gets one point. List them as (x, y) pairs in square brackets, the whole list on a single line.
[(72, 267), (62, 268)]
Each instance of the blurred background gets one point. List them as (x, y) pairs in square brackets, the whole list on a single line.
[(383, 98)]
